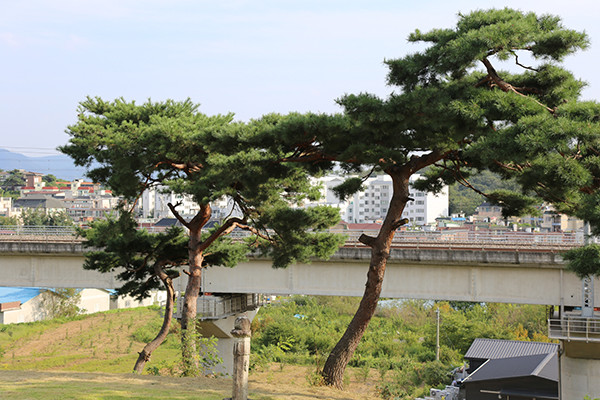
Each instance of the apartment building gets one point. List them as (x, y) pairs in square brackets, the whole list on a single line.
[(153, 205), (371, 204)]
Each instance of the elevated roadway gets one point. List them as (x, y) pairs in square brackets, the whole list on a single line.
[(492, 271)]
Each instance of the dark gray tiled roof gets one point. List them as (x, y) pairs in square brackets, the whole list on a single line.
[(485, 349), (540, 365), (44, 202)]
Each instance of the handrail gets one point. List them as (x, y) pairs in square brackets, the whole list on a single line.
[(25, 233), (575, 328), (414, 239)]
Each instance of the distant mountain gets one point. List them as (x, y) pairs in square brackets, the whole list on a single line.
[(60, 165)]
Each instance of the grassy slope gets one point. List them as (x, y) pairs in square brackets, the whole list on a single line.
[(46, 360)]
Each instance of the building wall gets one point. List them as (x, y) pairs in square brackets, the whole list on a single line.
[(94, 300), (372, 203), (578, 375), (157, 297)]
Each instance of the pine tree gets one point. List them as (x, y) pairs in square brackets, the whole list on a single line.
[(173, 147), (456, 112)]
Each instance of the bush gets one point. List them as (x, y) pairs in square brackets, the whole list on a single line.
[(435, 374)]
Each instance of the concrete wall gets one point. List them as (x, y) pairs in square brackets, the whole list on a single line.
[(579, 370), (442, 279)]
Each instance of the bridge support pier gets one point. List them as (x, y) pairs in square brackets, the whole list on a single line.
[(221, 329), (579, 365)]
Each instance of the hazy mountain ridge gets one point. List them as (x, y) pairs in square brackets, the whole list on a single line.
[(59, 165)]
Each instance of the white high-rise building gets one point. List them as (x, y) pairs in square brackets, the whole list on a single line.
[(371, 204), (154, 205)]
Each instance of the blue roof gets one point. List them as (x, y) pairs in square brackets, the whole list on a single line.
[(22, 294)]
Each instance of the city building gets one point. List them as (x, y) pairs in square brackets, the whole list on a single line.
[(372, 202), (153, 205)]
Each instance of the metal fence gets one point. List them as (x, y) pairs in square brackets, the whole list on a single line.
[(574, 328), (459, 238), (216, 307), (20, 233)]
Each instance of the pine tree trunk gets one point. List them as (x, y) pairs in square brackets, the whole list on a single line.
[(194, 286), (333, 371), (144, 355), (335, 366)]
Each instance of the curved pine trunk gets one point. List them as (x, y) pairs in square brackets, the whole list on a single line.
[(144, 355), (333, 370)]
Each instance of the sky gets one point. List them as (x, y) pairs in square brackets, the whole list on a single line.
[(246, 57)]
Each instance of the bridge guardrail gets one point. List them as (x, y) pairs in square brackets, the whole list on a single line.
[(574, 328), (26, 233), (414, 239)]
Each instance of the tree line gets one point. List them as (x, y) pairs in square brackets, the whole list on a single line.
[(453, 113)]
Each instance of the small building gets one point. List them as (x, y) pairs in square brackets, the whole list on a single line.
[(48, 204), (27, 304), (488, 212), (510, 369)]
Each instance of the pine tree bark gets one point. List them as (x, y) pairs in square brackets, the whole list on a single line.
[(144, 355), (194, 285), (335, 366)]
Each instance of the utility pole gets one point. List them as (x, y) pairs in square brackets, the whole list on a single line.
[(587, 308), (437, 338)]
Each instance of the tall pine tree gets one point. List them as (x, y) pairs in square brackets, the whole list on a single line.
[(455, 111), (173, 147)]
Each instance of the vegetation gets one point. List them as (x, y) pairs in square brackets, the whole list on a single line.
[(396, 359), (40, 217), (145, 262), (9, 186), (398, 350), (463, 199), (62, 302)]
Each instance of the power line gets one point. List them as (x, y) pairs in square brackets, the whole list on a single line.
[(35, 150)]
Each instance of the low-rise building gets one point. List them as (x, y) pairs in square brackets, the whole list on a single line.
[(506, 369)]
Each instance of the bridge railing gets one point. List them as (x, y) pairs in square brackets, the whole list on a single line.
[(459, 238), (217, 307), (23, 233), (467, 238), (574, 328)]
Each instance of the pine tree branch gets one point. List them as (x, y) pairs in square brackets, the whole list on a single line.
[(177, 215), (521, 65), (507, 87), (223, 230), (201, 218), (417, 163)]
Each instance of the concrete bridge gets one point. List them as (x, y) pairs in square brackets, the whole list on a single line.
[(465, 271)]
